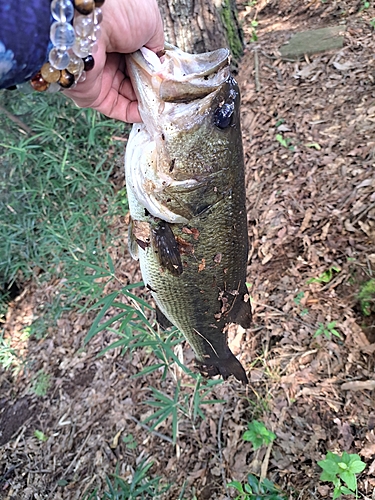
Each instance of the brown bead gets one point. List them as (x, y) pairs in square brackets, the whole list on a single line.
[(66, 79), (49, 73), (89, 63), (84, 7), (99, 3), (38, 83)]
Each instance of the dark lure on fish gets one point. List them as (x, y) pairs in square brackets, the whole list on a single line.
[(185, 181)]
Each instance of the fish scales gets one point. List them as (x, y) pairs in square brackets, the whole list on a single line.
[(185, 182)]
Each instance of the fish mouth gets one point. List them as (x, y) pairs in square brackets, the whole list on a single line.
[(178, 77)]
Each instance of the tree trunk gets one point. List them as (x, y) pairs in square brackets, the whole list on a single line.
[(202, 25)]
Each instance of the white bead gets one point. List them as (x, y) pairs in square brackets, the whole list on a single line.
[(25, 88), (53, 88), (62, 35), (97, 33), (82, 78), (98, 15), (82, 47), (62, 10), (75, 65), (59, 58), (83, 25), (94, 48)]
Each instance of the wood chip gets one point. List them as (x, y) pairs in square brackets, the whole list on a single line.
[(358, 385)]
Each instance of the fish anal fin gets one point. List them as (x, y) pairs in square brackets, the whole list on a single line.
[(162, 319), (166, 248), (240, 312)]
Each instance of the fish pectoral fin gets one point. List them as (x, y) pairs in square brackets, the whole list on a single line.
[(162, 319), (241, 310), (132, 242), (166, 248)]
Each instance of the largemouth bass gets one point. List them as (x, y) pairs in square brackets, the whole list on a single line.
[(185, 181)]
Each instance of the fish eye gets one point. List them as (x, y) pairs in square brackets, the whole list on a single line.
[(223, 115)]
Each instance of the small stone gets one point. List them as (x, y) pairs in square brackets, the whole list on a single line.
[(66, 79), (38, 83), (84, 7)]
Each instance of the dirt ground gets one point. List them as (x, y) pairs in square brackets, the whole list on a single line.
[(309, 139)]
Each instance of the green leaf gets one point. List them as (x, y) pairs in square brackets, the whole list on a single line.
[(357, 466), (237, 485), (329, 466), (110, 264), (40, 435), (326, 476), (248, 488), (94, 327), (281, 140), (336, 493), (297, 299), (349, 479), (313, 145), (149, 369), (258, 434), (62, 482), (345, 491), (253, 482), (136, 299)]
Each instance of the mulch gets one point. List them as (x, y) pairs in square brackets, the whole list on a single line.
[(309, 142)]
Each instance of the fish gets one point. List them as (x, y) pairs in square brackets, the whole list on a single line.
[(184, 169)]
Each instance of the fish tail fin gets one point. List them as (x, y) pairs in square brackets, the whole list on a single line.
[(224, 367), (231, 366)]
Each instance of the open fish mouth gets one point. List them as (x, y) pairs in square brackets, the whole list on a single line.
[(175, 95), (178, 76)]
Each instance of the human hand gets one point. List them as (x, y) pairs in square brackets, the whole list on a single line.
[(127, 26)]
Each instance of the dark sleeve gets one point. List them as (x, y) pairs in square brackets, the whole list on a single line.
[(24, 39)]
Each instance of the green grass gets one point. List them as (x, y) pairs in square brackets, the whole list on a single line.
[(366, 297), (141, 486), (56, 198)]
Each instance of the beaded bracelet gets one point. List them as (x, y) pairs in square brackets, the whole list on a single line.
[(73, 45)]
